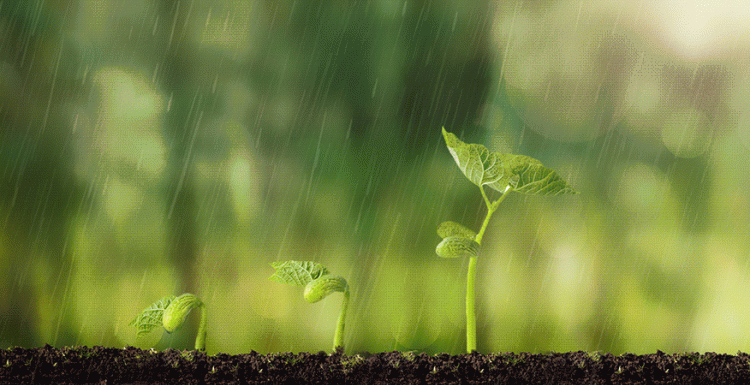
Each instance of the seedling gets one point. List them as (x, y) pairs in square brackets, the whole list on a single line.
[(318, 284), (503, 173), (170, 312)]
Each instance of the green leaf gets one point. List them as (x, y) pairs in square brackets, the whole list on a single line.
[(539, 180), (152, 316), (523, 174), (298, 273), (450, 228), (456, 247), (478, 164)]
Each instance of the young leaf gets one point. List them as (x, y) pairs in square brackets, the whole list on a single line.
[(450, 228), (524, 174), (539, 180), (478, 164), (457, 246), (175, 313), (297, 273), (152, 316)]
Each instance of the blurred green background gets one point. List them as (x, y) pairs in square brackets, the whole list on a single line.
[(150, 148)]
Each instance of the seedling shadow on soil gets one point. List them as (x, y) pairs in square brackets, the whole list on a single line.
[(132, 365)]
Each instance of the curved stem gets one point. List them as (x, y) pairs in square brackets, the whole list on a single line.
[(200, 339), (338, 338), (471, 315)]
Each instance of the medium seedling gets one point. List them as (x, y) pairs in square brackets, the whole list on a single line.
[(170, 312), (318, 284), (503, 173)]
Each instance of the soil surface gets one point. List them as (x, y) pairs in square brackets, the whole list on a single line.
[(99, 365)]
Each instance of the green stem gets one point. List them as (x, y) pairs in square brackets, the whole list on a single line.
[(471, 314), (338, 338), (200, 339)]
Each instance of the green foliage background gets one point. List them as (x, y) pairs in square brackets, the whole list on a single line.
[(151, 148)]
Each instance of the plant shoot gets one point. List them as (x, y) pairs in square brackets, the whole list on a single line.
[(170, 313), (503, 173), (318, 284)]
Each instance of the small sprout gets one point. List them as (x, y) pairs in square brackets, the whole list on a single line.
[(318, 284), (352, 362), (170, 313), (188, 355), (595, 356)]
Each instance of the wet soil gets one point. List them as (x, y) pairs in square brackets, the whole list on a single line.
[(99, 365)]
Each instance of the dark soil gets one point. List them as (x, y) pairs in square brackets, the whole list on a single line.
[(84, 365)]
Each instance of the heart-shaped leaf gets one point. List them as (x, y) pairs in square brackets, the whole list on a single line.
[(298, 273), (450, 228), (523, 174), (457, 247)]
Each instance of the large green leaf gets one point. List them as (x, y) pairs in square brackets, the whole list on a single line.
[(496, 170), (298, 273)]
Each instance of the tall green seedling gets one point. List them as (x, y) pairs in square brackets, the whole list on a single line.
[(318, 283), (170, 312), (503, 173)]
